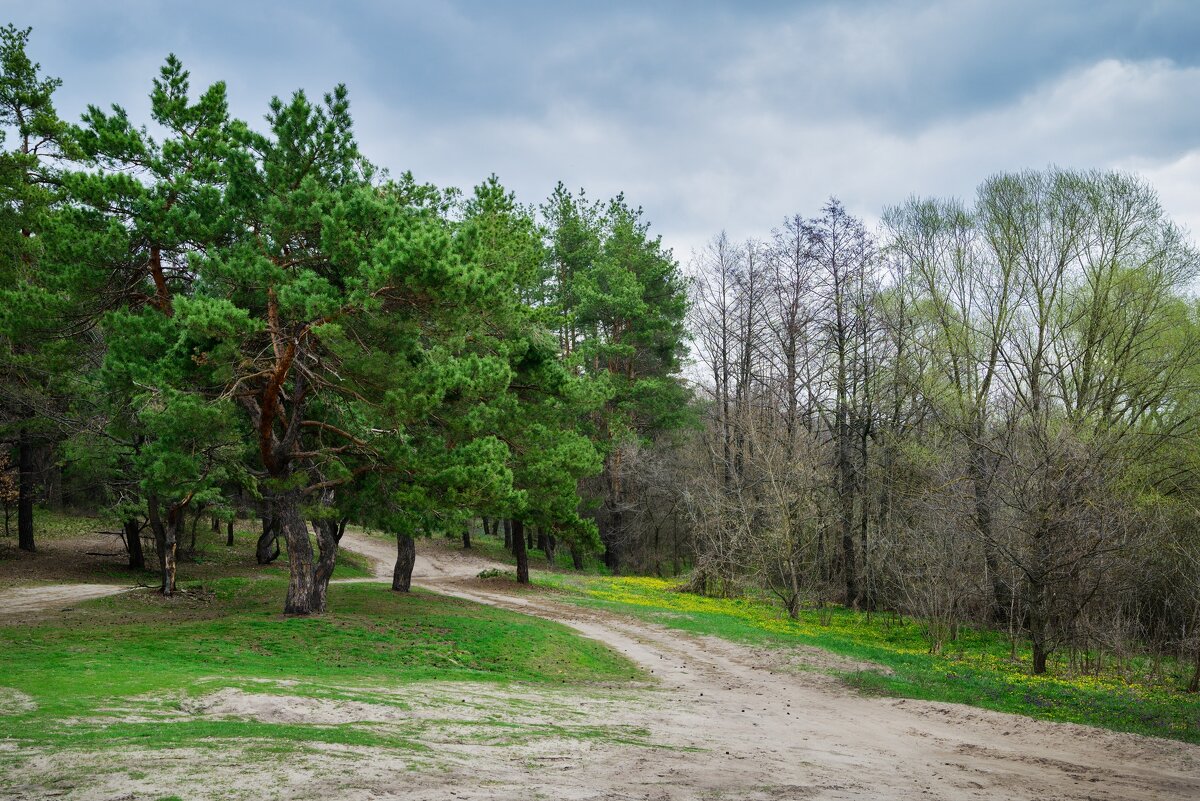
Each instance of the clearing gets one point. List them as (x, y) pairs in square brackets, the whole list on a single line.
[(705, 718)]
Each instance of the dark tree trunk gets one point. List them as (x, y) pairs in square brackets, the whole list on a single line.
[(520, 551), (487, 529), (301, 567), (406, 557), (1039, 657), (191, 551), (550, 547), (466, 537), (216, 524), (329, 537), (845, 487), (1002, 594), (1039, 625), (267, 549), (541, 540), (612, 554), (229, 532), (1194, 684), (576, 556), (166, 540), (508, 541), (25, 493), (529, 546), (133, 543)]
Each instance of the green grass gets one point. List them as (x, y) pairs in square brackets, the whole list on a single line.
[(976, 669), (101, 674)]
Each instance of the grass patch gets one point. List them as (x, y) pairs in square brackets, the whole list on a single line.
[(977, 669), (114, 671)]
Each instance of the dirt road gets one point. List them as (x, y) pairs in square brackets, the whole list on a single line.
[(764, 729)]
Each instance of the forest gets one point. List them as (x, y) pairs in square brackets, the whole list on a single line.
[(980, 413)]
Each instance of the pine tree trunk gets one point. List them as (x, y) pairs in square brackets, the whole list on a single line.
[(576, 556), (133, 543), (166, 539), (229, 533), (266, 550), (300, 597), (406, 557), (466, 537), (329, 537), (191, 551), (520, 551), (508, 542), (25, 493), (550, 548)]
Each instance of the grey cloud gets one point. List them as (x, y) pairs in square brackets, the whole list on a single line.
[(711, 115)]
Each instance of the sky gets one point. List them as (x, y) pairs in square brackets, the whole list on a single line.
[(711, 116)]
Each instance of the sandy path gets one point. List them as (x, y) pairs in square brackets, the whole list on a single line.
[(768, 731), (22, 602)]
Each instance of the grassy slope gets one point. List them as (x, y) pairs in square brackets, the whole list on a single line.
[(976, 670), (139, 654)]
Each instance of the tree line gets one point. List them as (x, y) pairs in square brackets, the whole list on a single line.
[(200, 318), (981, 414)]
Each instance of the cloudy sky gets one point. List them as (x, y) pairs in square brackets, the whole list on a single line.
[(709, 115)]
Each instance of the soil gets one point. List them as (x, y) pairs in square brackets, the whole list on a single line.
[(723, 721)]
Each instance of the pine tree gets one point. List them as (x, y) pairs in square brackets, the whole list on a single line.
[(33, 358)]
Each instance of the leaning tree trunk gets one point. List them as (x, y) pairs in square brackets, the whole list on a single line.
[(329, 537), (406, 557), (133, 543), (267, 549), (519, 551), (301, 568), (25, 493)]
